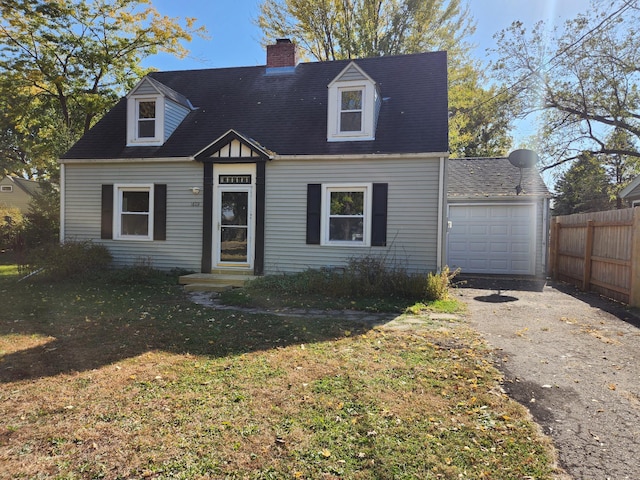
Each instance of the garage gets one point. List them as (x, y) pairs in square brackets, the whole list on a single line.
[(495, 239), (498, 217)]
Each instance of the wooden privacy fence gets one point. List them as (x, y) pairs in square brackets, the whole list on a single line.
[(599, 252)]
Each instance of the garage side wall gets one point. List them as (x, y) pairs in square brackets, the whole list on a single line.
[(412, 212), (183, 245)]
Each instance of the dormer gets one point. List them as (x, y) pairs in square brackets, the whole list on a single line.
[(154, 111), (353, 106)]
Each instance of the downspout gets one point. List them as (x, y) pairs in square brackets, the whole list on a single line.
[(62, 201), (441, 204)]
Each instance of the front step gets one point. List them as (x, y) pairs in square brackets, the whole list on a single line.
[(216, 281)]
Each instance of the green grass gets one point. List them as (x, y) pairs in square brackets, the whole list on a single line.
[(112, 379)]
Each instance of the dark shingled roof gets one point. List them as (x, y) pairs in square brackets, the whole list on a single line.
[(491, 177), (287, 113)]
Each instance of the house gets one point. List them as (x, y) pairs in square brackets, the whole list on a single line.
[(16, 192), (498, 217), (268, 169), (631, 193)]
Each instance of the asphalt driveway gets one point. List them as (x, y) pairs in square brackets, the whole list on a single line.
[(574, 360)]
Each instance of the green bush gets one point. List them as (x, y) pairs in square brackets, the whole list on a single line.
[(11, 223), (363, 277), (141, 272), (42, 221), (60, 261), (438, 284)]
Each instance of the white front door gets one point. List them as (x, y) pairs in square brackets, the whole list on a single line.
[(233, 222), (233, 227)]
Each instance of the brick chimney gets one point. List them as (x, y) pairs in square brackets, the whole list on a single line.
[(283, 53)]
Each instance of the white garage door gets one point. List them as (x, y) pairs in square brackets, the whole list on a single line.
[(497, 239)]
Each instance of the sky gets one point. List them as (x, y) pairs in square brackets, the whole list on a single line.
[(234, 39)]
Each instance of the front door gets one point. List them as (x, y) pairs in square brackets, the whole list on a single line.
[(234, 221)]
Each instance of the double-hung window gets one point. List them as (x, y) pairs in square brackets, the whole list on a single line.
[(145, 120), (146, 113), (134, 214), (347, 218), (351, 110)]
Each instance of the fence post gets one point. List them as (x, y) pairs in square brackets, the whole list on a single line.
[(553, 256), (588, 251), (634, 296)]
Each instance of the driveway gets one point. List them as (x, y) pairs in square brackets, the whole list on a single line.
[(574, 360)]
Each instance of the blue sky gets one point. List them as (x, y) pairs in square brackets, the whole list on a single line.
[(234, 40)]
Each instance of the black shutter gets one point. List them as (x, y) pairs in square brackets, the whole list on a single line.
[(379, 220), (106, 220), (314, 208), (160, 212)]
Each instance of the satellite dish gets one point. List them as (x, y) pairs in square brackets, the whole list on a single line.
[(523, 158)]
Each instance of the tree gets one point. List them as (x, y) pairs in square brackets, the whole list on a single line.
[(64, 63), (346, 29), (621, 169), (342, 29), (582, 81), (584, 187), (478, 123)]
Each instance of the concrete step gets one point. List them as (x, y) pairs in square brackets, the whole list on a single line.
[(206, 287), (214, 282)]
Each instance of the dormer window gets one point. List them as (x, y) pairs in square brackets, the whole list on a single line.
[(154, 112), (146, 118), (351, 110), (353, 106), (145, 121)]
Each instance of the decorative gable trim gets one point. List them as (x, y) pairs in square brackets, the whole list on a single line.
[(233, 146), (354, 103)]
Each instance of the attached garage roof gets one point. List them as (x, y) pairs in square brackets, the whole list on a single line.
[(477, 178)]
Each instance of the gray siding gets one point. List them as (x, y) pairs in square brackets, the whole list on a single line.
[(145, 88), (183, 246), (173, 116), (412, 214), (352, 73), (16, 198)]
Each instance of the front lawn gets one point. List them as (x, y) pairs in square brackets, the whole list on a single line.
[(111, 379)]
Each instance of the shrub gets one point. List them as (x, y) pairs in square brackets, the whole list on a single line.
[(140, 273), (42, 221), (60, 261), (11, 223), (362, 277), (438, 284)]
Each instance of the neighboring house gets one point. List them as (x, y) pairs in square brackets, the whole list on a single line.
[(268, 169), (631, 193), (493, 229), (16, 192)]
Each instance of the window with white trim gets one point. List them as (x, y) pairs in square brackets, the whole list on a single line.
[(146, 116), (145, 120), (134, 212), (351, 110), (347, 215), (6, 188)]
